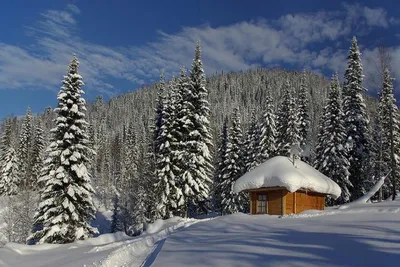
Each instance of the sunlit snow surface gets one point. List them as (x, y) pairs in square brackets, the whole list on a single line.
[(361, 235), (280, 171)]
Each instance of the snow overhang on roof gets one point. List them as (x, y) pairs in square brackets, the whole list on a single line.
[(280, 172)]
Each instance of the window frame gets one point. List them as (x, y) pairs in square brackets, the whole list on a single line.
[(262, 203)]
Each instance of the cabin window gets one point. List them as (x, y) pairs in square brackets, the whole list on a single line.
[(262, 203)]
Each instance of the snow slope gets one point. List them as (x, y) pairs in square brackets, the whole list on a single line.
[(364, 235), (106, 250), (280, 171), (360, 235)]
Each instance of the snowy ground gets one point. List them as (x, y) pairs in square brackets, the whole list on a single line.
[(364, 235), (106, 250), (361, 235)]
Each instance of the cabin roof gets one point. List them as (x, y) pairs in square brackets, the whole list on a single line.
[(280, 172)]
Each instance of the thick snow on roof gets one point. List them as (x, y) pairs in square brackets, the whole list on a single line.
[(280, 171)]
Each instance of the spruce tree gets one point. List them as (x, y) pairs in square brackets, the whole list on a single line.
[(167, 166), (268, 132), (10, 173), (331, 155), (220, 168), (197, 143), (66, 206), (232, 202), (37, 155), (304, 119), (251, 147), (24, 151), (116, 224), (288, 124), (390, 134), (9, 163), (356, 123)]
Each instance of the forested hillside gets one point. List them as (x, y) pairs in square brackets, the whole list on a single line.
[(133, 168)]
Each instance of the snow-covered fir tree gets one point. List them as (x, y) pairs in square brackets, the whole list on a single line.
[(331, 154), (10, 173), (9, 163), (356, 123), (197, 144), (234, 166), (116, 224), (220, 169), (66, 206), (24, 151), (304, 119), (251, 147), (390, 133), (288, 123), (37, 155), (167, 164), (268, 132)]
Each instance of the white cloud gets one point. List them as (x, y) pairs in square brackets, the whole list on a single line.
[(296, 39)]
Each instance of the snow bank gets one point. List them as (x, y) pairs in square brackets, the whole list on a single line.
[(159, 224), (116, 249), (364, 199), (280, 171)]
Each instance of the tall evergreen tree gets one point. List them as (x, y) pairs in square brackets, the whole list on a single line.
[(251, 147), (37, 155), (116, 224), (9, 163), (390, 133), (356, 123), (24, 151), (268, 132), (10, 173), (197, 144), (220, 169), (167, 166), (331, 155), (288, 124), (304, 119), (232, 202), (66, 206)]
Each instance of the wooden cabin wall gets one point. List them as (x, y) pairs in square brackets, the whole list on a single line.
[(281, 201), (275, 202), (309, 201)]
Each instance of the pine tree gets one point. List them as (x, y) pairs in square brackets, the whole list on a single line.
[(167, 165), (288, 124), (198, 144), (304, 120), (331, 155), (24, 151), (268, 132), (66, 205), (251, 147), (116, 224), (220, 168), (10, 173), (9, 163), (356, 123), (232, 202), (37, 155), (390, 133)]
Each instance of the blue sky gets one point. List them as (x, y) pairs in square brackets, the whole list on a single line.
[(124, 44)]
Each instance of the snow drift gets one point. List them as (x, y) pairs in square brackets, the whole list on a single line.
[(280, 171)]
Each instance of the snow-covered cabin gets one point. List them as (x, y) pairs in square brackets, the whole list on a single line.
[(279, 187)]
